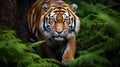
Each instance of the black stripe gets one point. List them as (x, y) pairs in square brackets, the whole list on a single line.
[(74, 23), (44, 21)]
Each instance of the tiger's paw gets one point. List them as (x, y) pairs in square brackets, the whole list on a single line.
[(66, 61)]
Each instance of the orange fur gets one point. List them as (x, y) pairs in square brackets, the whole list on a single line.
[(65, 42)]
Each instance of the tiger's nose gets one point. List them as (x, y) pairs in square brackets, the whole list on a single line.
[(59, 32)]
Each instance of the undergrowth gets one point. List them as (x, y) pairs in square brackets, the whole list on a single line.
[(14, 53), (97, 42)]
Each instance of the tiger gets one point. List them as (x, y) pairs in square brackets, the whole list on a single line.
[(57, 23)]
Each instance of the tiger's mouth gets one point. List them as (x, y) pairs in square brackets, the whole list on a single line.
[(59, 38)]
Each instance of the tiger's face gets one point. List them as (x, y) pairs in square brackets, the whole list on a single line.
[(59, 23)]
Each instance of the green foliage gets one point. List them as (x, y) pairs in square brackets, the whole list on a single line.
[(97, 42), (16, 54), (89, 60), (98, 39)]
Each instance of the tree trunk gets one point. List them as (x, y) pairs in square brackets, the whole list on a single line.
[(7, 13), (22, 7), (13, 15)]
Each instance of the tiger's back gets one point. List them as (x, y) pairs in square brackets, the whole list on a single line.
[(56, 23)]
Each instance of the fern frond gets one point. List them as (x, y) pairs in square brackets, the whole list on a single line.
[(89, 59)]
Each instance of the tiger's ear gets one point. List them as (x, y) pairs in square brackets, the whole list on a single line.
[(74, 7), (45, 6)]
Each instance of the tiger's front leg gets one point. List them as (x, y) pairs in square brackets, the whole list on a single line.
[(69, 51)]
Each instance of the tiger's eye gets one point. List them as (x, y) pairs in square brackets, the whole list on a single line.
[(51, 17), (70, 27), (67, 17), (48, 26)]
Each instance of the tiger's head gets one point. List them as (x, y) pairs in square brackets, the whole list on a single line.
[(59, 22)]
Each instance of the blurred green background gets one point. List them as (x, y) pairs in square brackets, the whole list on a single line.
[(98, 42)]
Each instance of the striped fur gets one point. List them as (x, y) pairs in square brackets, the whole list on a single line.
[(56, 22)]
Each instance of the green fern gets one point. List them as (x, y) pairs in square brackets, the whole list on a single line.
[(46, 63), (14, 52), (97, 41), (89, 60), (98, 38)]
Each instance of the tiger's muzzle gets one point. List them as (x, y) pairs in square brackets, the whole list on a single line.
[(59, 36)]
